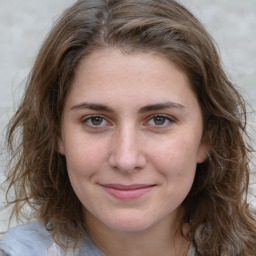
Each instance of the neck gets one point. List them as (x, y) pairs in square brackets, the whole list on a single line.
[(161, 239)]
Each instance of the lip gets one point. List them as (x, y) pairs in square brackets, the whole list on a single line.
[(127, 192)]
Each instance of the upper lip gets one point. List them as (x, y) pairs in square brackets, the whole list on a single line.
[(127, 187)]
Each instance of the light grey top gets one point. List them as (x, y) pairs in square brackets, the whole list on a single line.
[(33, 239)]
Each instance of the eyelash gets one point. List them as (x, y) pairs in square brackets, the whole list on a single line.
[(88, 121), (166, 119)]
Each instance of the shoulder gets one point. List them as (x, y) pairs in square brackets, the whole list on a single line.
[(191, 250), (34, 239), (28, 239)]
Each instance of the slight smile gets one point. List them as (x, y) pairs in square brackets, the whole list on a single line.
[(127, 191)]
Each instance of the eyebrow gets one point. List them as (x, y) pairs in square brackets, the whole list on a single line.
[(144, 109), (93, 106), (161, 106)]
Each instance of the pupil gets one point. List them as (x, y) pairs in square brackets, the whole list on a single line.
[(97, 120), (159, 120)]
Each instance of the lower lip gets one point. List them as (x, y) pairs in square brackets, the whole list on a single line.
[(129, 193)]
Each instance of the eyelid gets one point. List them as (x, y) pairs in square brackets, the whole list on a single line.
[(169, 118), (162, 115), (88, 117)]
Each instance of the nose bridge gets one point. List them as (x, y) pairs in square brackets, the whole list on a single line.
[(127, 154)]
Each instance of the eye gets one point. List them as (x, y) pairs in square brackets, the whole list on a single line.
[(160, 120), (95, 121)]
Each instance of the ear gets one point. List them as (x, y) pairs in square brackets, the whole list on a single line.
[(205, 147), (60, 146), (202, 153)]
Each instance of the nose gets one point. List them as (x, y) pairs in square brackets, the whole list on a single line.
[(127, 153)]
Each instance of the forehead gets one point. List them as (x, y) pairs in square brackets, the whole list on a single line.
[(113, 63), (113, 76)]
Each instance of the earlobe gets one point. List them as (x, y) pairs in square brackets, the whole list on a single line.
[(202, 153), (60, 147), (205, 147)]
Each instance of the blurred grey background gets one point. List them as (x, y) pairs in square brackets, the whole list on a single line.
[(25, 23)]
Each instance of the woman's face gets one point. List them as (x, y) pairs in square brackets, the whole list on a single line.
[(132, 137)]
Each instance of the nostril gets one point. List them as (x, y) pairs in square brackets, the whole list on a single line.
[(127, 163)]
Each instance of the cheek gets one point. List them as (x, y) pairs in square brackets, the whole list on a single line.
[(84, 159), (177, 157), (84, 163)]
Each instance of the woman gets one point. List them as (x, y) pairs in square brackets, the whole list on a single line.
[(132, 139)]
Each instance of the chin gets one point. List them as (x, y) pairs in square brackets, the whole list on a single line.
[(129, 223)]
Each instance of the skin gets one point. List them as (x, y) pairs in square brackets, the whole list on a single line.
[(132, 119)]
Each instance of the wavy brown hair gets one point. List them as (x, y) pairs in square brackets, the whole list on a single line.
[(221, 221)]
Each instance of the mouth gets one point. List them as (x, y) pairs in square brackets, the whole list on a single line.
[(127, 192)]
